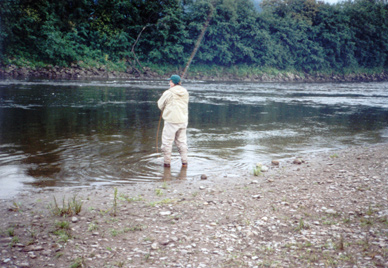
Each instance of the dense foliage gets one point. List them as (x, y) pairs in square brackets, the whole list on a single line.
[(305, 35)]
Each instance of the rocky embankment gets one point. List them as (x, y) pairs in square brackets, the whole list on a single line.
[(328, 210), (73, 72), (76, 72)]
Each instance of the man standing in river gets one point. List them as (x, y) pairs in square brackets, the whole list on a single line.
[(174, 104)]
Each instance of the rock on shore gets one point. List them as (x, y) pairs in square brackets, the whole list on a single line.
[(329, 211)]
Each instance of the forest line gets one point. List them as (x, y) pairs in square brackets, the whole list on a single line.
[(299, 35)]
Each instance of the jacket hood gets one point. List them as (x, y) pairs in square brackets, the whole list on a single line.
[(178, 90)]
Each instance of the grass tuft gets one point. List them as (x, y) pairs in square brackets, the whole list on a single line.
[(78, 263), (16, 207), (62, 230), (158, 192), (92, 227), (257, 171), (69, 208), (11, 232), (301, 226)]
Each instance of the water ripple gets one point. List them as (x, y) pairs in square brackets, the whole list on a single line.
[(82, 133)]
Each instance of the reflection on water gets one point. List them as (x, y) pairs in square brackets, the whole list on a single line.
[(82, 133), (168, 175)]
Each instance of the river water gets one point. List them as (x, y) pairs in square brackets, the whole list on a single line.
[(91, 133)]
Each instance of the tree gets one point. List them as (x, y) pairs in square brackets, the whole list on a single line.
[(227, 39), (306, 35), (200, 37), (368, 22), (331, 31)]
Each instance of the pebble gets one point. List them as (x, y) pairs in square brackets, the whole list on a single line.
[(165, 213), (155, 246), (275, 162), (5, 239), (33, 248), (211, 191), (331, 211), (297, 161), (203, 177), (32, 255), (164, 242), (264, 169), (74, 219)]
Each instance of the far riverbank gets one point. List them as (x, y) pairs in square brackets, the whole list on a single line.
[(102, 72)]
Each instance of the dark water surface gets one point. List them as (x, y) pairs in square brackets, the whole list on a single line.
[(83, 133)]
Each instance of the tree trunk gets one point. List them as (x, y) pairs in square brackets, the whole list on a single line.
[(198, 43), (133, 48)]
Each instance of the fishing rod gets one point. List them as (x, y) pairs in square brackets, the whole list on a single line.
[(157, 133)]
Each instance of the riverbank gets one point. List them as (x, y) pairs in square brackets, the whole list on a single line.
[(327, 210), (102, 72)]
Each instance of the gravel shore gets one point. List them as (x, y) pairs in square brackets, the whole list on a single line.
[(326, 210)]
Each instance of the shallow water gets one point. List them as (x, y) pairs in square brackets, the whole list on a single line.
[(83, 133)]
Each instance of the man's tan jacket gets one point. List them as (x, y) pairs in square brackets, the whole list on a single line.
[(175, 105)]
